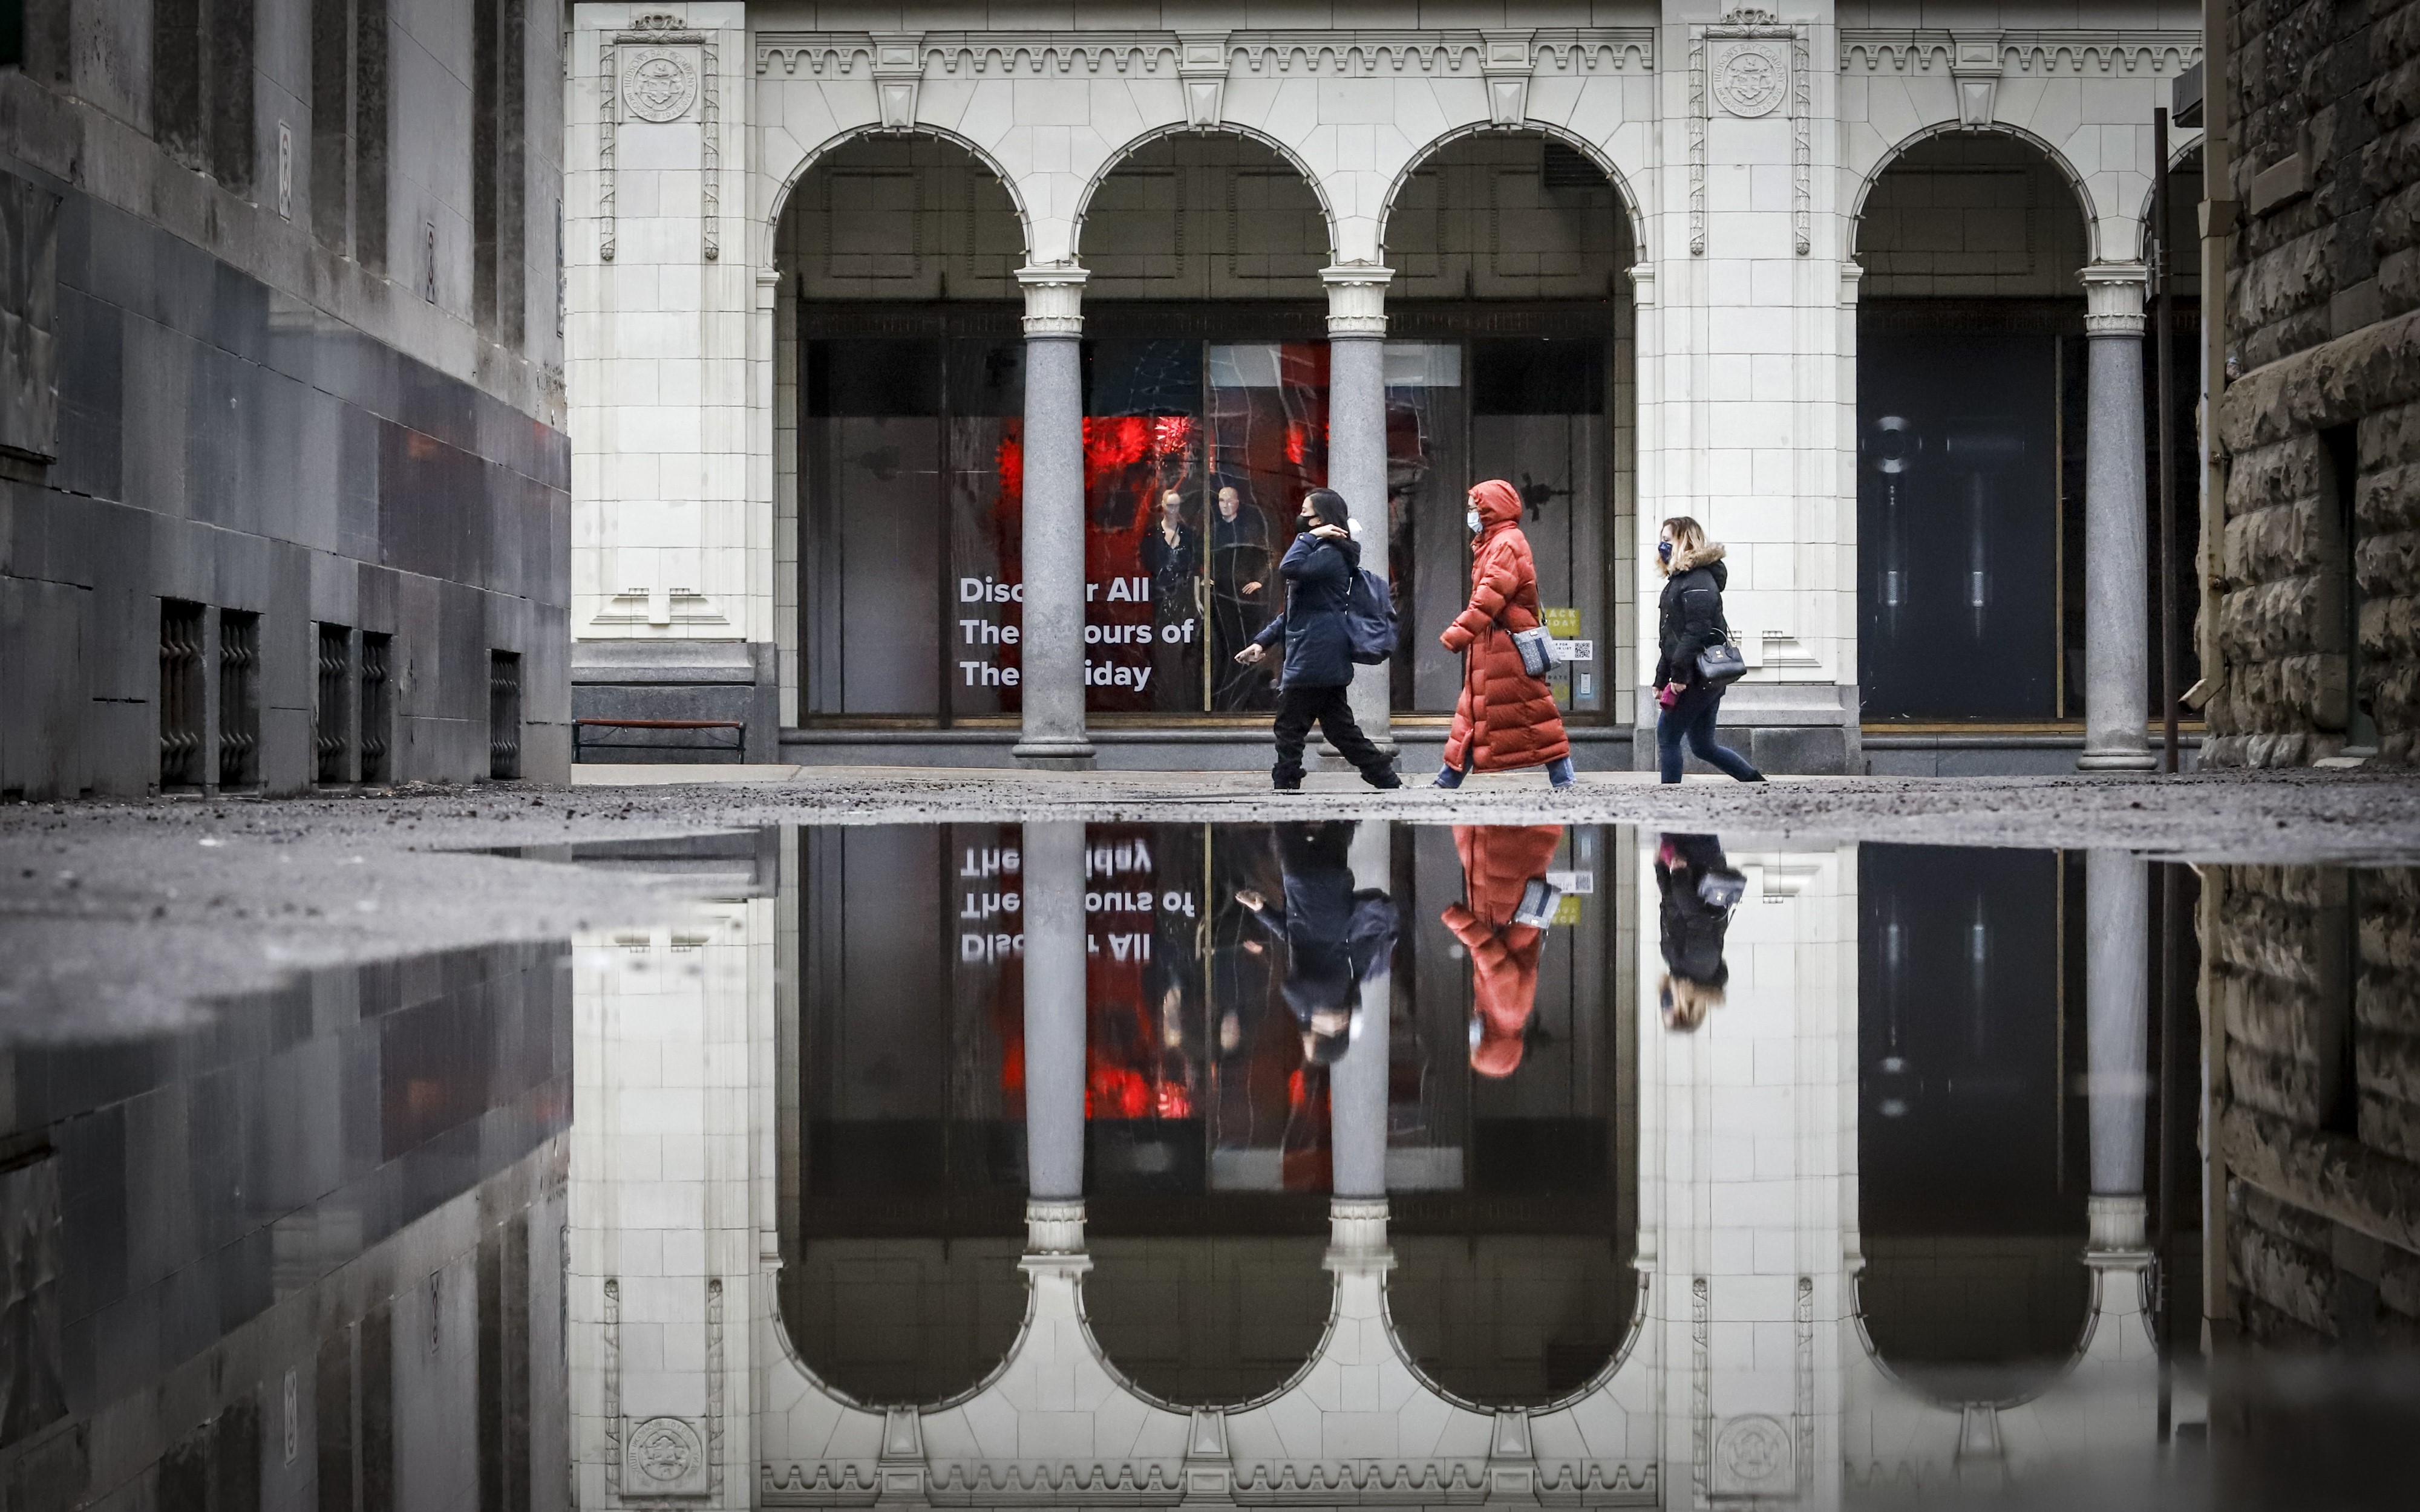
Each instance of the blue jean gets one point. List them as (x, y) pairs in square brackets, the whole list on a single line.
[(1559, 772), (1691, 719)]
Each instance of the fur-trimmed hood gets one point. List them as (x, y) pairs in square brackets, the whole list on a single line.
[(1708, 555)]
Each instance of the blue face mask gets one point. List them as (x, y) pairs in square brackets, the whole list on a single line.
[(1663, 552)]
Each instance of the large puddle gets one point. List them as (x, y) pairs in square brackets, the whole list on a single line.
[(1302, 1164)]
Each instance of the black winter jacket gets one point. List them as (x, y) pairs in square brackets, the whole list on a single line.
[(1319, 580), (1692, 929), (1689, 617)]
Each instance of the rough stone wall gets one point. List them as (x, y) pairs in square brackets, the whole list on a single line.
[(2321, 1137), (2320, 335)]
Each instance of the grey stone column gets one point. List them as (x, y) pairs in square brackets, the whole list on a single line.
[(2116, 537), (2117, 1034), (1052, 657), (1357, 445), (1052, 881), (1358, 1087)]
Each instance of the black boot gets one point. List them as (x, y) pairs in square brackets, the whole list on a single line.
[(1382, 778)]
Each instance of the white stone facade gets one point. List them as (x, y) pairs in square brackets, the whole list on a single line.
[(1743, 143)]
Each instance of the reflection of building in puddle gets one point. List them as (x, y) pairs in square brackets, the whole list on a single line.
[(1646, 1265), (307, 1247)]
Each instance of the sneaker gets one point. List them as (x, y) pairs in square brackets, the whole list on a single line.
[(1382, 780), (1284, 786), (1449, 778)]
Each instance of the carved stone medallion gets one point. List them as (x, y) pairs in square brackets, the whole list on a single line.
[(658, 83), (1752, 1454), (665, 1457), (1752, 78)]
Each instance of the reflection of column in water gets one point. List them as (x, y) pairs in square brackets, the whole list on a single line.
[(1358, 1086), (2116, 980), (1053, 884)]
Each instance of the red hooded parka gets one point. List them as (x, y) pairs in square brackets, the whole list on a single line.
[(1505, 718), (1498, 861)]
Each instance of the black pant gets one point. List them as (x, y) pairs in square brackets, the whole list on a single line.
[(1299, 708)]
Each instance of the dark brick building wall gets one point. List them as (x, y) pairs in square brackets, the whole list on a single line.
[(283, 488), (2319, 624), (2313, 989)]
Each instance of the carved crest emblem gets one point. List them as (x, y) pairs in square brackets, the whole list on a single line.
[(658, 84), (1752, 1454), (1751, 78), (666, 1456)]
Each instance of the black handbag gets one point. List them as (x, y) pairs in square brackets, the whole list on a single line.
[(1721, 665)]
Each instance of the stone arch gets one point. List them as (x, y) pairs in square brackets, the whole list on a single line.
[(1624, 195), (2085, 207), (1286, 152), (785, 187), (2181, 158)]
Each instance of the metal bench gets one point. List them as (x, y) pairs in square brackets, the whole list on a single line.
[(581, 741)]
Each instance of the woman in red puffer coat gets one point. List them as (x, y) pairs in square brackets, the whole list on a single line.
[(1498, 862), (1505, 719)]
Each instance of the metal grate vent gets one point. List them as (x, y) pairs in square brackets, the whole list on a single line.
[(504, 715), (331, 743), (377, 708), (239, 699), (181, 694)]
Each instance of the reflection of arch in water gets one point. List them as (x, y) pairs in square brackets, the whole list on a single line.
[(1227, 1321), (1971, 1192), (1510, 1320), (1587, 1367), (914, 1322)]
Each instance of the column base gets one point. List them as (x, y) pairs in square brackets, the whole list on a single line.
[(2116, 761), (2116, 1227), (1065, 753)]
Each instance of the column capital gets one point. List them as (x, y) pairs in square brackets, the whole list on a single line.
[(1054, 1227), (1357, 299), (1642, 282), (1054, 299), (1356, 1236), (2112, 298), (1853, 281)]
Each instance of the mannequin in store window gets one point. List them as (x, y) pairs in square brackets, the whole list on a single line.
[(1240, 597), (1171, 553)]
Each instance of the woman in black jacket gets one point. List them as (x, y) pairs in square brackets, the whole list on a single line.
[(1698, 889), (1318, 570), (1690, 619)]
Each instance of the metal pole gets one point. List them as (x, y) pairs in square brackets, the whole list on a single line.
[(2161, 332)]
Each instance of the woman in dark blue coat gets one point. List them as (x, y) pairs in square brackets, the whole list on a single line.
[(1319, 569)]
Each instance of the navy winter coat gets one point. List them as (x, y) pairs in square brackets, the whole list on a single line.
[(1319, 579)]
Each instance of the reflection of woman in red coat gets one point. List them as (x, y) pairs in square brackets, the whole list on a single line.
[(1497, 863), (1505, 718)]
